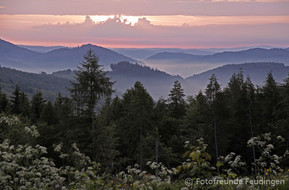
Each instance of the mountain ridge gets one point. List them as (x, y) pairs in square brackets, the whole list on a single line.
[(59, 59), (256, 71), (254, 53), (158, 83), (186, 64)]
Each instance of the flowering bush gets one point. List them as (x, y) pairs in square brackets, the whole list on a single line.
[(231, 165), (135, 178), (268, 161), (26, 167), (197, 162)]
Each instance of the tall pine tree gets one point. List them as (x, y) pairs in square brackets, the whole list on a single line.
[(90, 86), (213, 88)]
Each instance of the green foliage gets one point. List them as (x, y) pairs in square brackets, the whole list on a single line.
[(30, 83), (37, 104), (3, 102), (212, 88), (243, 120), (15, 101), (26, 167), (176, 101), (157, 176), (197, 163), (91, 83), (48, 114), (269, 161), (135, 121)]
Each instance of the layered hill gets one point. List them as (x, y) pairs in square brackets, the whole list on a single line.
[(188, 64), (256, 71), (20, 58), (158, 83), (125, 74), (250, 55), (31, 83)]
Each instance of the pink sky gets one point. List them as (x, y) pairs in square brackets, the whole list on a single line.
[(146, 23)]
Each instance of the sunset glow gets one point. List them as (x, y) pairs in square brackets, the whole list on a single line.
[(248, 22)]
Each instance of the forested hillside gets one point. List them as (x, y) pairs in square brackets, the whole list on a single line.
[(250, 121), (31, 83), (256, 71), (158, 83)]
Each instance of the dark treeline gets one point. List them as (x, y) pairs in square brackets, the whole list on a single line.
[(135, 129)]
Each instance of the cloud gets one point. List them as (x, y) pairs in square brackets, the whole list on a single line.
[(147, 7), (88, 21), (116, 33)]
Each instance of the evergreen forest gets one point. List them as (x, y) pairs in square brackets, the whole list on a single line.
[(93, 139)]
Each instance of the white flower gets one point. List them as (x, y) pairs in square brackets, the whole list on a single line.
[(275, 157), (270, 146), (267, 136), (58, 147), (32, 130), (280, 138), (187, 143)]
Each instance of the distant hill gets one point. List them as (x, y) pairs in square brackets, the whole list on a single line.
[(158, 83), (31, 83), (143, 53), (250, 55), (125, 74), (67, 74), (173, 57), (186, 64), (59, 59), (256, 71), (15, 56), (41, 49)]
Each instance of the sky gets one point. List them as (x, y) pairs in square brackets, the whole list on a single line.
[(146, 23)]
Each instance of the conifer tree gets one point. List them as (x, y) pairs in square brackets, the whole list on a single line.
[(37, 103), (24, 106), (176, 100), (137, 119), (91, 84), (63, 107), (48, 114), (15, 101), (213, 88), (250, 95), (271, 98), (4, 102)]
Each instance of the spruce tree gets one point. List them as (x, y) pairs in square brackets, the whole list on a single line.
[(136, 121), (4, 102), (176, 101), (63, 107), (90, 86), (213, 88), (270, 101), (24, 107), (48, 114), (37, 104), (15, 101)]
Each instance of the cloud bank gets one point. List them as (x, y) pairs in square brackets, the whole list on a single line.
[(115, 32)]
